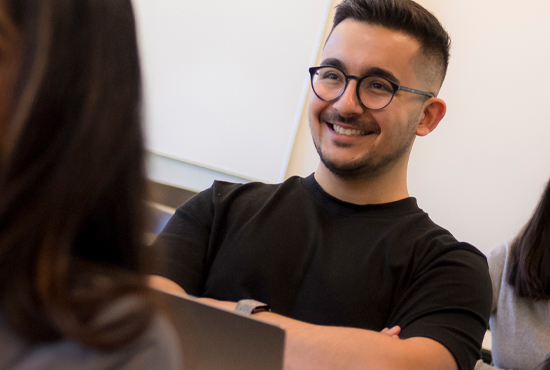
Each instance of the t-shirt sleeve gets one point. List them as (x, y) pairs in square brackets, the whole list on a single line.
[(449, 301), (182, 246)]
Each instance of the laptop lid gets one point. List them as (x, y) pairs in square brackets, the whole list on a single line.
[(213, 338)]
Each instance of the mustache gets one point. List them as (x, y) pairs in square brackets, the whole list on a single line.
[(358, 122)]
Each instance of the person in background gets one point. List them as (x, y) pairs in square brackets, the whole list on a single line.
[(520, 316), (72, 291), (346, 252)]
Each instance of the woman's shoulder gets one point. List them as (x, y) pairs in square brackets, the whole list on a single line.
[(496, 258), (156, 348)]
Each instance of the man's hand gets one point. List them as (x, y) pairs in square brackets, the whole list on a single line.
[(393, 332)]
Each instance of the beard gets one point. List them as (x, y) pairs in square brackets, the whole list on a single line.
[(372, 164)]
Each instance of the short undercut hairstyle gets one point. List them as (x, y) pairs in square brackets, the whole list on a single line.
[(408, 17)]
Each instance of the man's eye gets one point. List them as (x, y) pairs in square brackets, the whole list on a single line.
[(331, 76), (378, 86)]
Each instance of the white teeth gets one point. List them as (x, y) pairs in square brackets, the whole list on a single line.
[(349, 132)]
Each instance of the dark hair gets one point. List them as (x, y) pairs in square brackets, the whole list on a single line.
[(72, 177), (405, 16), (529, 269)]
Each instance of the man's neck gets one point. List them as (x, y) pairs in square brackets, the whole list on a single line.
[(385, 188)]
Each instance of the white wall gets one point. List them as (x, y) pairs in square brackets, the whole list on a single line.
[(481, 172), (225, 80)]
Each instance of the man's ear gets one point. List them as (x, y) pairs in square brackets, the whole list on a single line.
[(434, 111)]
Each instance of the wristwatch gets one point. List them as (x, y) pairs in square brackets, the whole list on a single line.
[(250, 306)]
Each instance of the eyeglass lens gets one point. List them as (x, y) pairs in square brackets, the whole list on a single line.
[(374, 92)]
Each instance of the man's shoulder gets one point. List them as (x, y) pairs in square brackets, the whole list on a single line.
[(436, 238), (256, 185), (430, 244), (241, 199), (223, 192)]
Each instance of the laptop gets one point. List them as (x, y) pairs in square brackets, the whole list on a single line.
[(214, 339)]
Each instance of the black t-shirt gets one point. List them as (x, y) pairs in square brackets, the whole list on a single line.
[(317, 259)]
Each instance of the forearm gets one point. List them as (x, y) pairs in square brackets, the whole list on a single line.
[(164, 284), (316, 347), (325, 347)]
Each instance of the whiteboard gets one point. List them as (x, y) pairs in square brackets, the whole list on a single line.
[(225, 81)]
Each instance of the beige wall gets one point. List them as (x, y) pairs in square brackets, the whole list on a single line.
[(303, 158)]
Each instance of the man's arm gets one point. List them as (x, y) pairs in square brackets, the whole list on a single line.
[(317, 347), (164, 284)]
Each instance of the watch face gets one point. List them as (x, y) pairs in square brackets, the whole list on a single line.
[(250, 306)]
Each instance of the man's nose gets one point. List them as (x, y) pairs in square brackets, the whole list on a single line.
[(348, 103)]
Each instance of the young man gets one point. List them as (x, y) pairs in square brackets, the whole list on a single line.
[(345, 253)]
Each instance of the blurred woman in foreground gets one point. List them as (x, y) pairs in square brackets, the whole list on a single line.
[(72, 292), (520, 318)]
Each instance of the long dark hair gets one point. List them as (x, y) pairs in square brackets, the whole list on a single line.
[(72, 177), (529, 271)]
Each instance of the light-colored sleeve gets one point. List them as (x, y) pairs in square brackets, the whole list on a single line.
[(480, 365), (158, 348), (497, 259)]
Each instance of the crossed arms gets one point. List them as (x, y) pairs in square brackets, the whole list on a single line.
[(319, 347)]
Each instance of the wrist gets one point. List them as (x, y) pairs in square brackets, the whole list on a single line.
[(251, 306)]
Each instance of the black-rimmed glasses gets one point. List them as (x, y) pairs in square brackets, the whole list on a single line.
[(374, 92)]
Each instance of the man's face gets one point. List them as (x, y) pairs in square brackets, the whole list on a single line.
[(372, 142)]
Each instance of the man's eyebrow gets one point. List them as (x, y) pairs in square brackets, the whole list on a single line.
[(376, 71), (333, 62)]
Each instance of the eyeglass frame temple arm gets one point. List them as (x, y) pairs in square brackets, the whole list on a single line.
[(403, 88)]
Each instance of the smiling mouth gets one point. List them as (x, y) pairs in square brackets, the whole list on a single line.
[(346, 131)]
